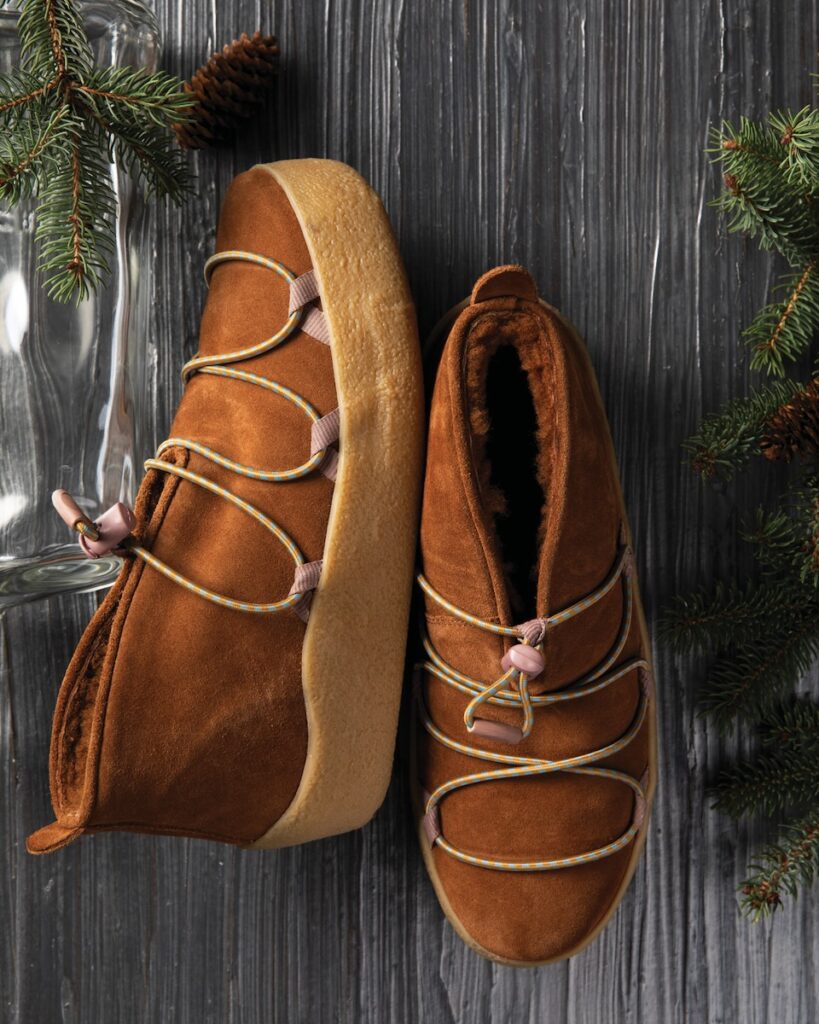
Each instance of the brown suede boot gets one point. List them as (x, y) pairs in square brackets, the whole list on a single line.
[(241, 680), (534, 751)]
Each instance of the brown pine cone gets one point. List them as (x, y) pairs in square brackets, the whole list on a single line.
[(227, 88), (794, 427)]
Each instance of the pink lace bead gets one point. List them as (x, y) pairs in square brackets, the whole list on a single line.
[(114, 526), (498, 731), (525, 659)]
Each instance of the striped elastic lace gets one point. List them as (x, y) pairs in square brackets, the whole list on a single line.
[(302, 314), (511, 690)]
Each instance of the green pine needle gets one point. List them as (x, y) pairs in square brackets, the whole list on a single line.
[(776, 539), (786, 778), (78, 194), (799, 137), (765, 633), (760, 199), (787, 539), (793, 726), (747, 680), (771, 177), (784, 329), (701, 621), (28, 154), (53, 40), (63, 121), (725, 442), (783, 868)]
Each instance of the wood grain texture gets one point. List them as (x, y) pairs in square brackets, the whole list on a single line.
[(568, 136)]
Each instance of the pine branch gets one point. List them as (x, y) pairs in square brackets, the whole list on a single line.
[(748, 680), (784, 866), (774, 535), (759, 198), (799, 138), (768, 631), (135, 95), (78, 194), (725, 442), (62, 123), (784, 330), (729, 614), (150, 155), (793, 726), (18, 93), (25, 156), (807, 514), (52, 35), (789, 777), (787, 540)]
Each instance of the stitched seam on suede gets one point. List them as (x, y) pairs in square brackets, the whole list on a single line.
[(130, 576), (580, 365), (97, 632), (80, 682), (162, 503), (80, 698), (160, 830)]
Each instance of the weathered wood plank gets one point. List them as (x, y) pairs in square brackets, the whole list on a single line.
[(568, 137)]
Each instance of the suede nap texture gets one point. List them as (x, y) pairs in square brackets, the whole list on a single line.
[(176, 715), (521, 517)]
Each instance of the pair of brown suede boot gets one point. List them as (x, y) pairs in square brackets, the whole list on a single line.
[(241, 681)]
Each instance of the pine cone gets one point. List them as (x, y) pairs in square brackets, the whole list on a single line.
[(794, 427), (227, 88)]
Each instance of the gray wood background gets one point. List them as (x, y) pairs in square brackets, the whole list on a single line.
[(568, 136)]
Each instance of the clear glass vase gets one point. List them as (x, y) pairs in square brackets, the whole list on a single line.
[(71, 376)]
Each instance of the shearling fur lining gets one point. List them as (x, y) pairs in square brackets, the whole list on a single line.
[(509, 377)]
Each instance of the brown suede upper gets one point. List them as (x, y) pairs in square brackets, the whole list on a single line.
[(519, 469), (177, 715)]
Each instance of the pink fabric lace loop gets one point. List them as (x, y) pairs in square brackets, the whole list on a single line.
[(324, 433), (315, 324), (303, 290), (533, 631), (431, 820), (305, 580)]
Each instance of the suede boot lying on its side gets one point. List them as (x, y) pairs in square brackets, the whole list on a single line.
[(241, 680), (534, 750)]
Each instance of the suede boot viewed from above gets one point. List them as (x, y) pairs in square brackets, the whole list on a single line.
[(241, 680), (534, 738)]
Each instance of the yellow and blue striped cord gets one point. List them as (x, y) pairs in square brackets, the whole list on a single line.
[(213, 365), (498, 693)]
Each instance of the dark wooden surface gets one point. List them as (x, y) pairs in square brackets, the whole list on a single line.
[(568, 136)]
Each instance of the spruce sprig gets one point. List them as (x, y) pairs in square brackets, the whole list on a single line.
[(784, 329), (772, 782), (763, 633), (727, 440), (63, 121), (771, 193), (783, 868), (701, 620), (793, 726), (746, 680)]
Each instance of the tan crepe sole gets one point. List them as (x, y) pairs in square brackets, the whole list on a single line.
[(353, 653), (639, 841)]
